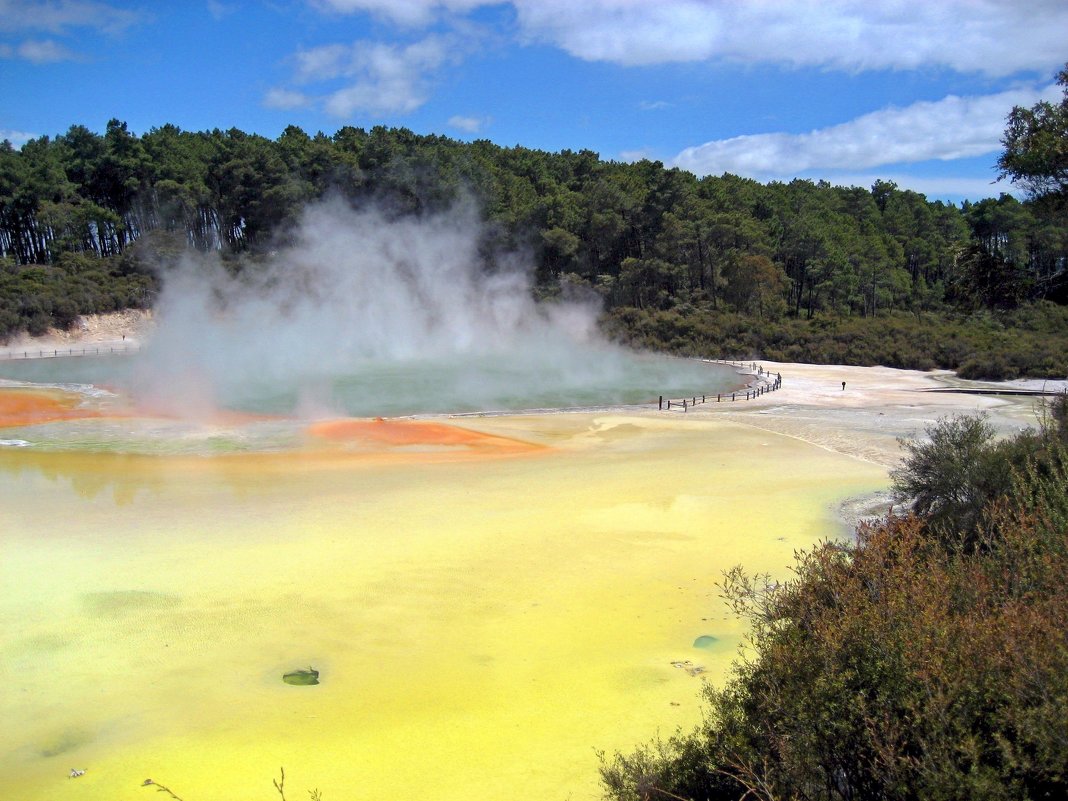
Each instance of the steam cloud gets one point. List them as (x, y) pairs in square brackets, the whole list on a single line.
[(368, 315)]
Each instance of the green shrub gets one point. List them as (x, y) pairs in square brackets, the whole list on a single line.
[(35, 298), (981, 346)]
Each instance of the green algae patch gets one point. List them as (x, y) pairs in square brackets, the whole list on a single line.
[(301, 678), (705, 641)]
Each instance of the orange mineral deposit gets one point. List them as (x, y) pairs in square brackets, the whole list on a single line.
[(28, 407), (418, 434)]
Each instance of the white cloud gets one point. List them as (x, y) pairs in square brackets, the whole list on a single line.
[(323, 63), (951, 128), (992, 37), (653, 105), (286, 99), (44, 51), (988, 36), (412, 13), (57, 16), (995, 37), (38, 51), (469, 124), (381, 78), (219, 10), (17, 138)]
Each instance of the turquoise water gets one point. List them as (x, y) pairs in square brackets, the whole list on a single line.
[(452, 384), (96, 370)]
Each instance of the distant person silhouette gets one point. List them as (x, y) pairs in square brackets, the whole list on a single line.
[(843, 386)]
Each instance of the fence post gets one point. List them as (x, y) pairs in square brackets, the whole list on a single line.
[(661, 407)]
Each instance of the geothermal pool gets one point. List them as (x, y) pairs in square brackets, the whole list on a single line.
[(454, 383), (489, 600)]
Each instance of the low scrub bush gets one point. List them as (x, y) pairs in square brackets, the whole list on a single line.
[(36, 298), (1029, 342)]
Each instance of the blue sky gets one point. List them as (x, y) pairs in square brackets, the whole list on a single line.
[(843, 90)]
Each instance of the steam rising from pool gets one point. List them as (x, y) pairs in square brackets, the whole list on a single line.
[(367, 315)]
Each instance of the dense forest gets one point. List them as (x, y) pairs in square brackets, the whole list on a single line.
[(717, 265)]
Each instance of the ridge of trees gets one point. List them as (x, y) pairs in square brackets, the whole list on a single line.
[(656, 243), (645, 235)]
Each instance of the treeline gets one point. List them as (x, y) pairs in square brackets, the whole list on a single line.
[(925, 660), (645, 238), (644, 235)]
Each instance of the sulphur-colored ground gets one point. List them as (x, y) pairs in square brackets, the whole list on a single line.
[(484, 620), (482, 626)]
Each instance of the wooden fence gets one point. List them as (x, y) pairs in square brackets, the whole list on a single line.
[(55, 353), (766, 382)]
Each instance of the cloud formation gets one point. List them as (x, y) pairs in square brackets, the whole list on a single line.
[(59, 16), (42, 51), (220, 11), (411, 13), (999, 39), (285, 99), (468, 124), (377, 77), (951, 128)]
